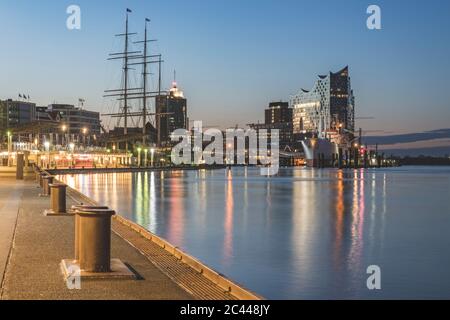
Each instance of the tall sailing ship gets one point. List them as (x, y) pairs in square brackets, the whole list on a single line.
[(147, 133)]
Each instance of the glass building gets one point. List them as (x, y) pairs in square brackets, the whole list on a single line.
[(329, 106)]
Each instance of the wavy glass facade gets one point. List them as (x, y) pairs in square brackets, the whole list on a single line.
[(328, 106)]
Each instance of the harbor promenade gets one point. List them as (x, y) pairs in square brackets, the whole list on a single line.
[(32, 246)]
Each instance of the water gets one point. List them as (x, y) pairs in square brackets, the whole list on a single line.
[(305, 234)]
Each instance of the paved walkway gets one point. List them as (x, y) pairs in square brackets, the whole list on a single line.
[(33, 254), (10, 194), (33, 245)]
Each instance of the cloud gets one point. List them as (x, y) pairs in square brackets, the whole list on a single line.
[(408, 138)]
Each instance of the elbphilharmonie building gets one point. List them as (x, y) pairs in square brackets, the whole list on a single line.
[(328, 107)]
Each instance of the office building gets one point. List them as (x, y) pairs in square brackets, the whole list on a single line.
[(13, 114), (278, 116), (278, 112), (77, 120), (173, 114)]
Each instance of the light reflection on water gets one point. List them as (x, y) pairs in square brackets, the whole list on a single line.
[(303, 234)]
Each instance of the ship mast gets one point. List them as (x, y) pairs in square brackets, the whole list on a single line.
[(144, 98), (124, 92), (145, 73), (125, 89)]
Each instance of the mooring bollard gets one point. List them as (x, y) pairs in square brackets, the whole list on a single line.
[(41, 179), (93, 246), (19, 166), (57, 200), (47, 181), (94, 239), (77, 224), (38, 175)]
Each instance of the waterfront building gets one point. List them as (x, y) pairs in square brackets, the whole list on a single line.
[(16, 113), (172, 110), (278, 112), (77, 120), (284, 128), (329, 106), (68, 124), (278, 116)]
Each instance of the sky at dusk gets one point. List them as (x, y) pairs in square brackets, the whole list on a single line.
[(233, 57)]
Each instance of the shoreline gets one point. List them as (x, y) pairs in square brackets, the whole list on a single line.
[(66, 171)]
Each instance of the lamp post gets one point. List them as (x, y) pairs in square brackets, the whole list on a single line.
[(9, 134), (152, 153), (139, 156), (85, 130), (145, 157), (63, 129), (71, 148), (47, 148)]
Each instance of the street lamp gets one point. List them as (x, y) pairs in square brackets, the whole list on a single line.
[(63, 129), (85, 131), (9, 134), (152, 153), (146, 157), (139, 156), (47, 148), (72, 149)]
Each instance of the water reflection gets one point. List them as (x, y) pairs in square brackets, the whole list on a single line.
[(228, 226), (303, 234)]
